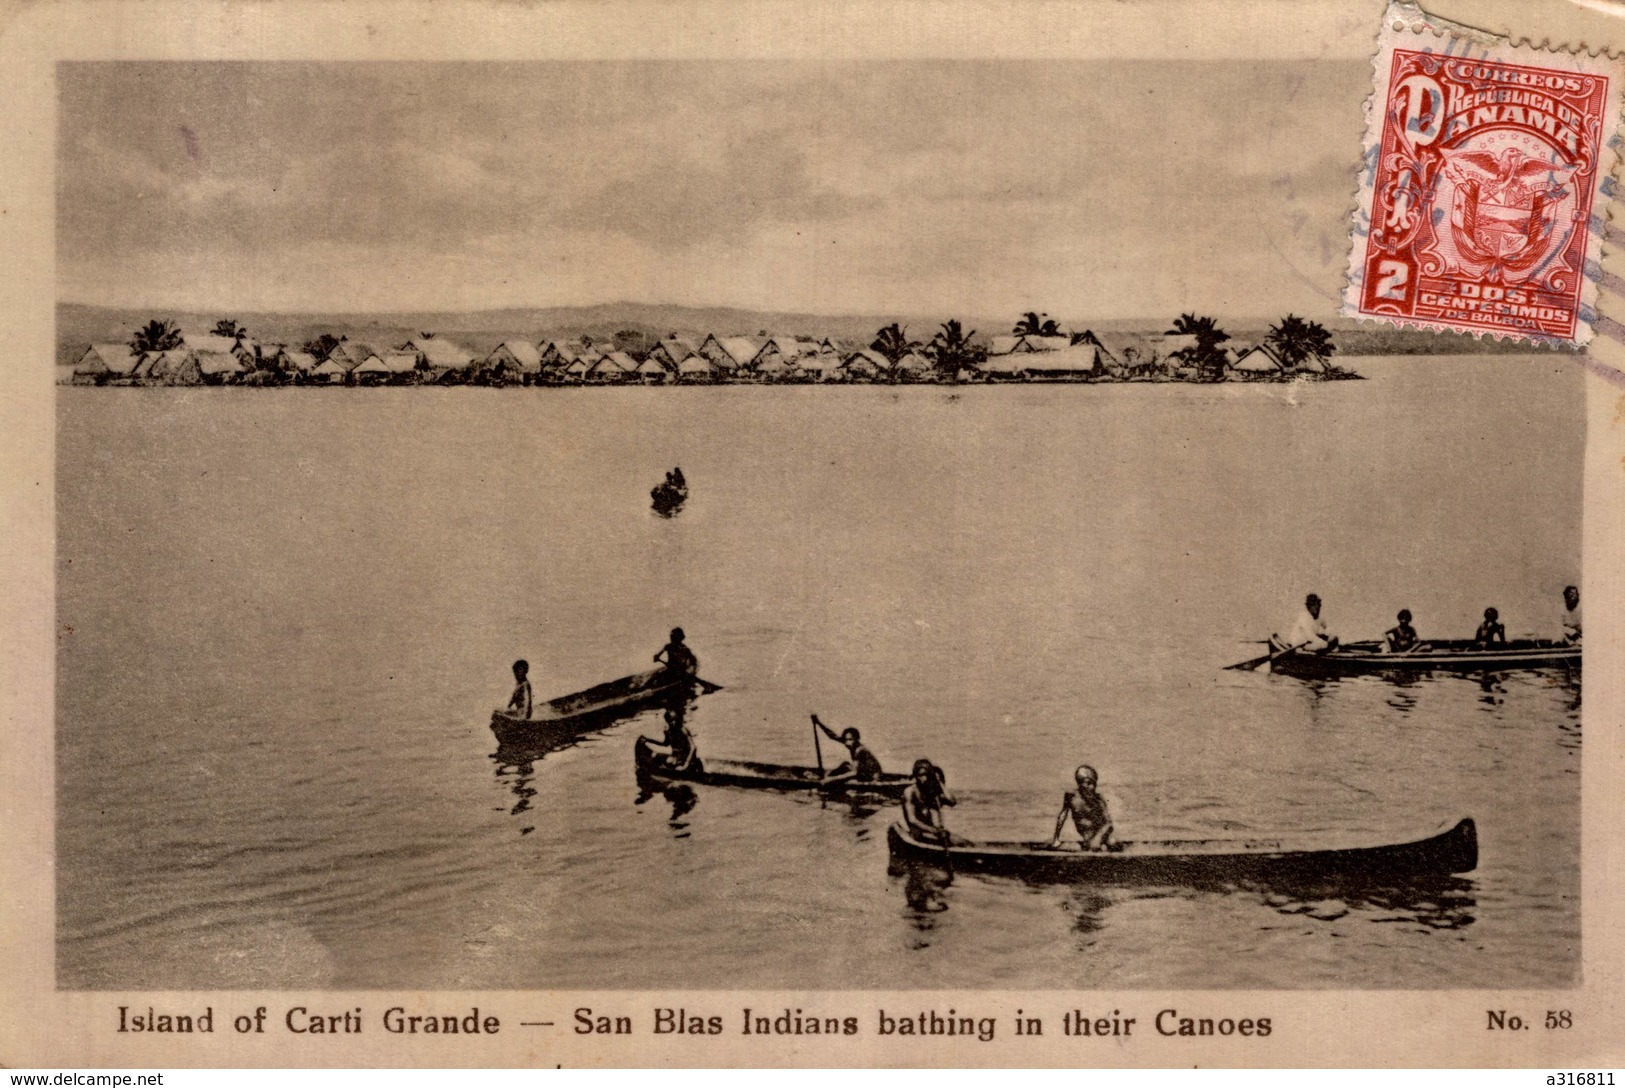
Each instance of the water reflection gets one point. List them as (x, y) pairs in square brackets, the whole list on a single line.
[(1423, 904), (679, 795), (1086, 905), (925, 895), (1431, 903)]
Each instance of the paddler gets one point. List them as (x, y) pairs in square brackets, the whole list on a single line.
[(1571, 615), (676, 655), (923, 801), (520, 701), (860, 764), (1491, 631), (1087, 810), (678, 752), (1308, 632), (1402, 636)]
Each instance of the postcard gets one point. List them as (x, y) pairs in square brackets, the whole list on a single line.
[(879, 535)]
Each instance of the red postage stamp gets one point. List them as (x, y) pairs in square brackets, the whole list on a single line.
[(1486, 181)]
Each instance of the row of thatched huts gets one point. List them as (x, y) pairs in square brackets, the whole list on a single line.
[(214, 359)]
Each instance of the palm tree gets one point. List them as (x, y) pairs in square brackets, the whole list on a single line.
[(1296, 340), (893, 342), (229, 329), (323, 346), (1034, 324), (1208, 358), (951, 350), (154, 337)]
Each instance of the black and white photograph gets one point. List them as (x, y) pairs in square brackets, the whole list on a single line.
[(808, 522)]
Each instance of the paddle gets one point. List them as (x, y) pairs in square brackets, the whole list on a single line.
[(1253, 663), (817, 747)]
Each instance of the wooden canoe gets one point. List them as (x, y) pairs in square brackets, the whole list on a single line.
[(771, 776), (1457, 655), (1453, 849), (571, 715)]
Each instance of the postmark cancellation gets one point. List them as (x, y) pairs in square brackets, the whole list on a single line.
[(1485, 183)]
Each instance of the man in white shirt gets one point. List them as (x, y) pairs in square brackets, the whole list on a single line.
[(1308, 632), (1571, 615)]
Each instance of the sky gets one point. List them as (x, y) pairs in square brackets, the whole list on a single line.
[(1098, 189)]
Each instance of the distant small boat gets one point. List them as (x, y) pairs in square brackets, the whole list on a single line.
[(669, 494), (1453, 849), (771, 776), (572, 715), (1459, 655)]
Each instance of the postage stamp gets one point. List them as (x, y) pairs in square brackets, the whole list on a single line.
[(1485, 184)]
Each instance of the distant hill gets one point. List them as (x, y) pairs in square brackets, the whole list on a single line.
[(79, 325)]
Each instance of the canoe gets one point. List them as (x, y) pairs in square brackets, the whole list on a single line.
[(1453, 849), (771, 776), (571, 715), (668, 496), (1460, 655)]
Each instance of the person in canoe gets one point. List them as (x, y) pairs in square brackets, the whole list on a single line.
[(1491, 631), (922, 804), (1087, 811), (676, 655), (1402, 638), (861, 764), (1571, 615), (676, 751), (519, 703), (1308, 632), (675, 480)]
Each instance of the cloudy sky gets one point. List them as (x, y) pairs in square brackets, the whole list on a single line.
[(1083, 188)]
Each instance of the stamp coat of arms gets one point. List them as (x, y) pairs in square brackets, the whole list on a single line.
[(1482, 200)]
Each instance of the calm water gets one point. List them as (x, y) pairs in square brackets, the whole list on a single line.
[(286, 614)]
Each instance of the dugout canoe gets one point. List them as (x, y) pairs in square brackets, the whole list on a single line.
[(571, 715), (1452, 849), (1458, 655), (770, 776)]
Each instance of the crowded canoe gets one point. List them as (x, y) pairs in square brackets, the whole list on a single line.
[(1308, 648)]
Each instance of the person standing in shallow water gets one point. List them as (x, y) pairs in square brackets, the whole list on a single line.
[(1087, 810), (520, 701)]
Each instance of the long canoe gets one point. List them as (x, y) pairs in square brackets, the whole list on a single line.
[(772, 776), (1453, 849), (1458, 655), (571, 715)]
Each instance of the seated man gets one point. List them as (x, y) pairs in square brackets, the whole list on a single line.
[(1308, 632), (1402, 637), (1491, 631), (1571, 615), (1087, 810), (861, 763)]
